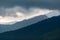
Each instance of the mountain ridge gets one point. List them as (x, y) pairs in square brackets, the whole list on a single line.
[(47, 29)]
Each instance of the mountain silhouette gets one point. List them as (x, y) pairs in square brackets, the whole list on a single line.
[(48, 29)]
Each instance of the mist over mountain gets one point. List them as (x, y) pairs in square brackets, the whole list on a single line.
[(21, 24), (48, 29)]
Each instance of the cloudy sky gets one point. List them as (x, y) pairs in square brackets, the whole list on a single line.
[(12, 11)]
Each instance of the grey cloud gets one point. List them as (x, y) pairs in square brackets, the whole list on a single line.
[(51, 4)]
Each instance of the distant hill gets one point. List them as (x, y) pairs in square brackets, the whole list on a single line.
[(21, 24), (48, 29)]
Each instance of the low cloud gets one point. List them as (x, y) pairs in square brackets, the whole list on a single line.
[(16, 14), (12, 15)]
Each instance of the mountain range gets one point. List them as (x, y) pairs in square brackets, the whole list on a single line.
[(48, 29)]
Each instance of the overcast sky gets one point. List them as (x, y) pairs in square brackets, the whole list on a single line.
[(25, 9), (51, 4)]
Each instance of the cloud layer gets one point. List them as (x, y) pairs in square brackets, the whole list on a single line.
[(16, 14), (12, 15)]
